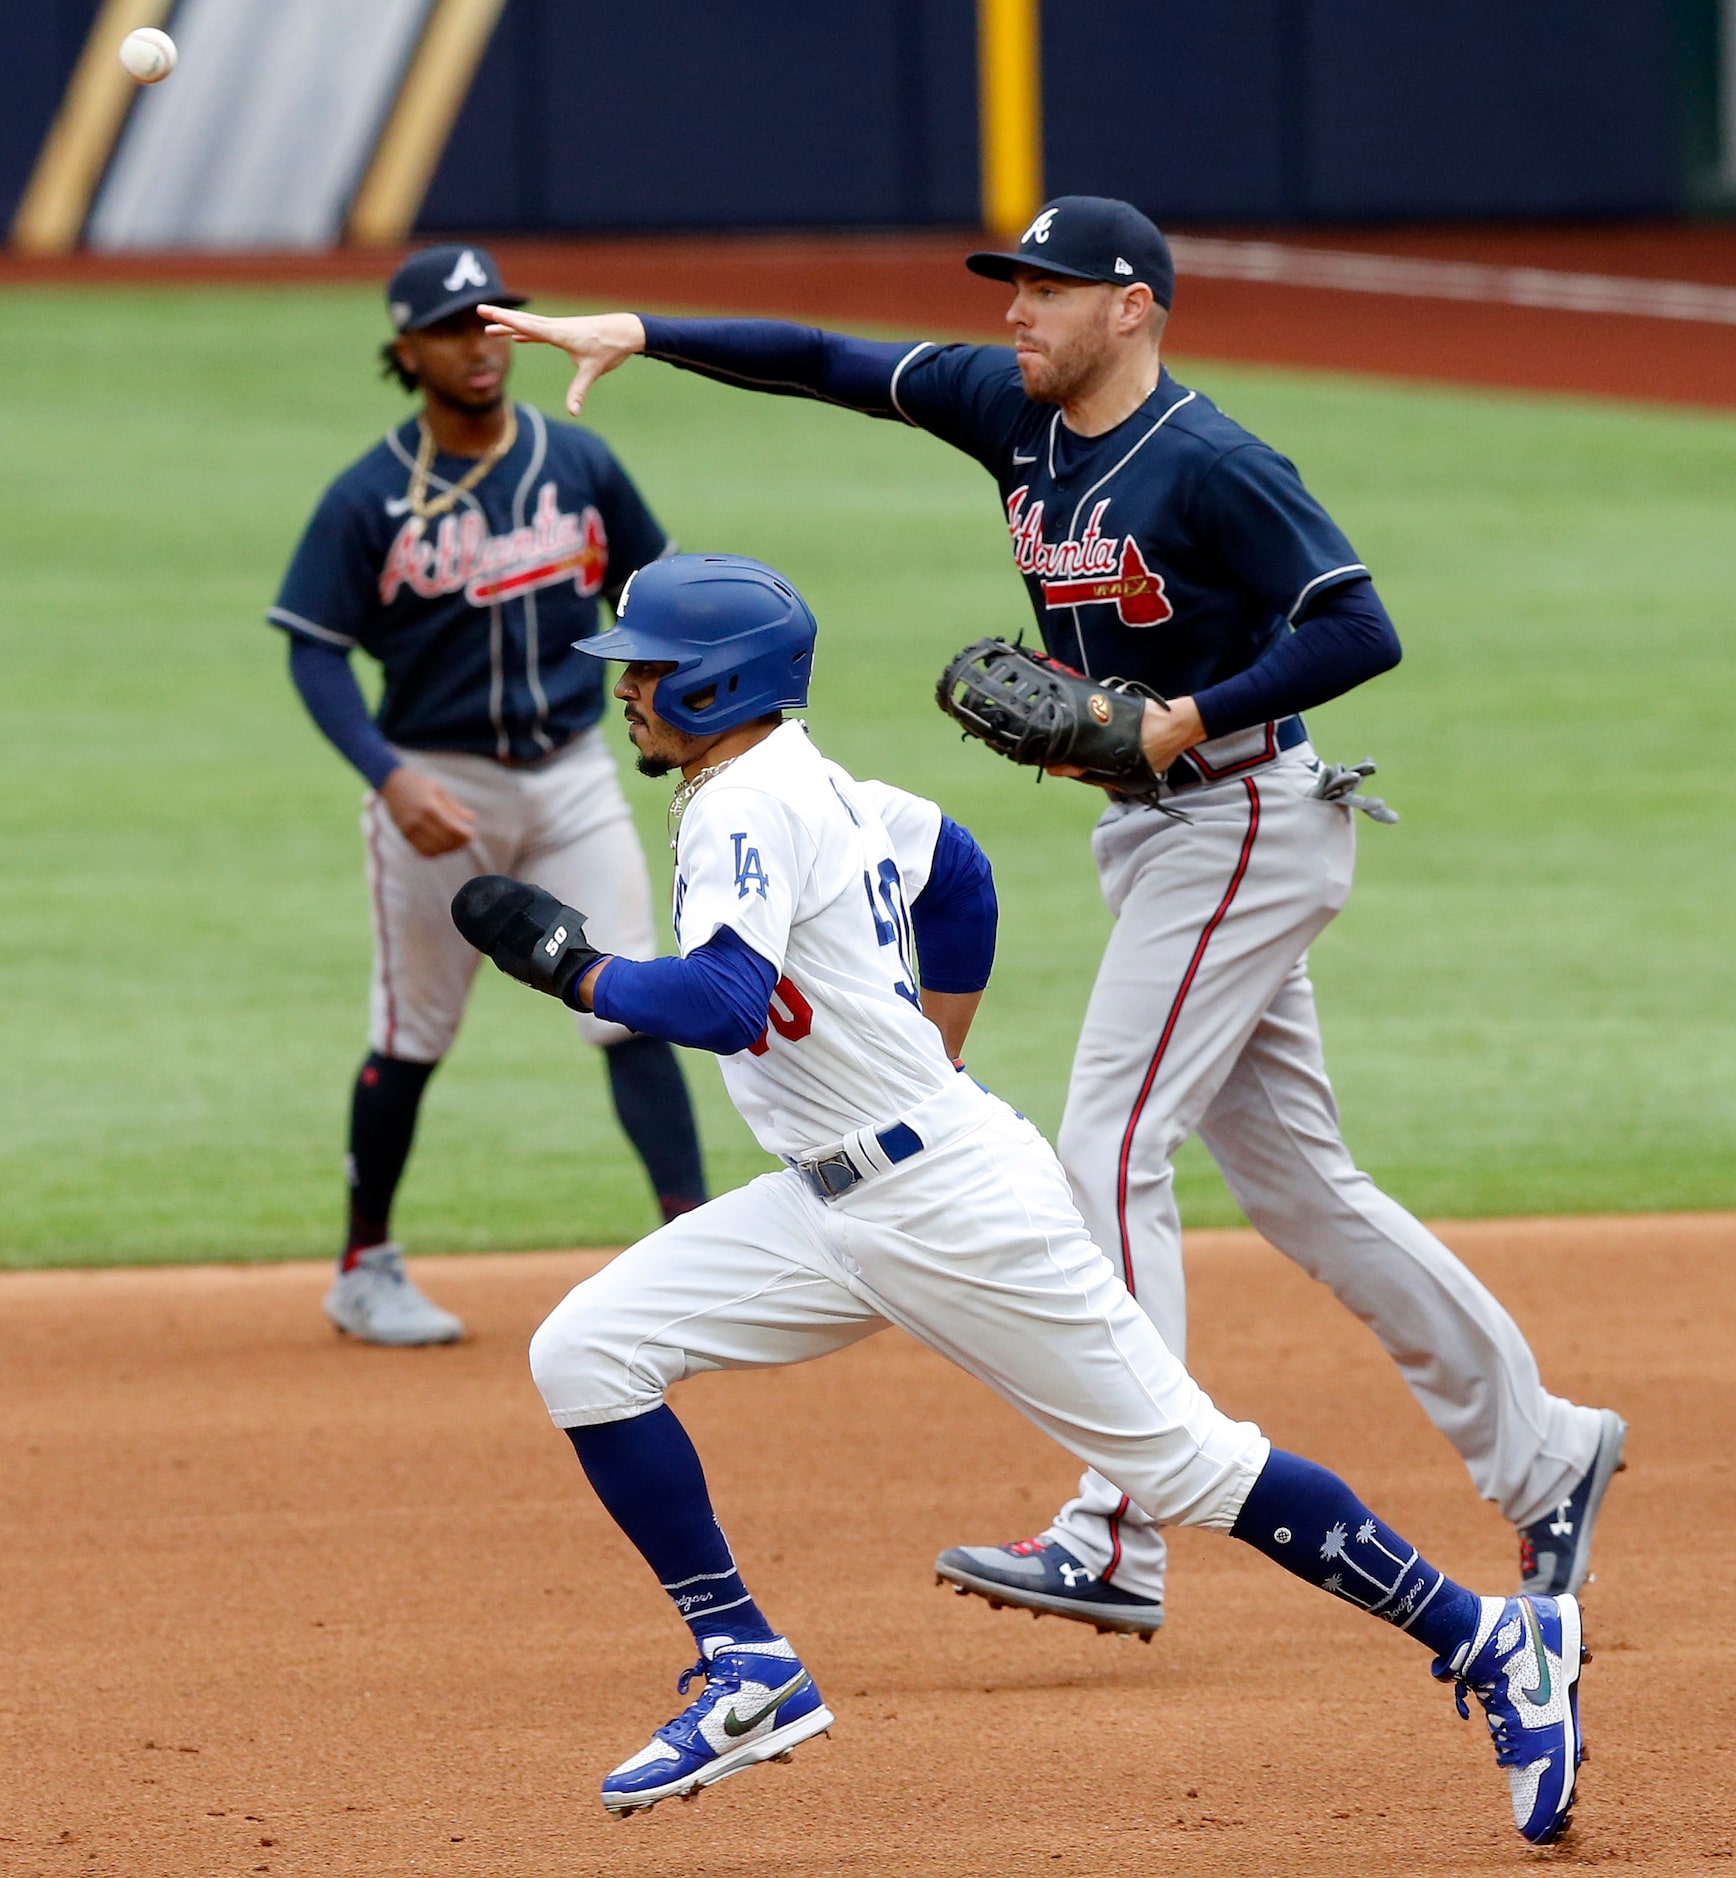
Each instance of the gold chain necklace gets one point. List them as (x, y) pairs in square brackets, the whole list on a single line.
[(423, 507), (688, 790)]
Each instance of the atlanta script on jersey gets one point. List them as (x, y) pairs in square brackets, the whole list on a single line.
[(816, 872), (474, 618)]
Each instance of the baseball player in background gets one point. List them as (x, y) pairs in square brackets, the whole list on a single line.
[(1163, 543), (834, 938), (467, 552)]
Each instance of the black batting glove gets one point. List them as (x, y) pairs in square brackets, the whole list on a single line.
[(528, 933)]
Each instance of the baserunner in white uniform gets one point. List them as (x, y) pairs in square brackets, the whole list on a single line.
[(834, 940), (1161, 542)]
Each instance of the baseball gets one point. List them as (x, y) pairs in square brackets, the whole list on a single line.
[(148, 53)]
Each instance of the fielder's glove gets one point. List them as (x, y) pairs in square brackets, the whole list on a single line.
[(527, 932), (1034, 710)]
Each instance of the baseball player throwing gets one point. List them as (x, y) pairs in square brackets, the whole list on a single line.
[(466, 552), (834, 939), (1162, 543)]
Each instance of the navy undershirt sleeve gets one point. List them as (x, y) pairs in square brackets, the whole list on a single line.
[(334, 701), (788, 360), (1342, 642), (717, 998), (955, 915)]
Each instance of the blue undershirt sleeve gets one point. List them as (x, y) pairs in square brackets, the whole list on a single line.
[(955, 915), (717, 998), (790, 361), (334, 701), (1345, 640)]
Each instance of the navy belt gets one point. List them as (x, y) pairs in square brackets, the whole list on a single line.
[(837, 1173)]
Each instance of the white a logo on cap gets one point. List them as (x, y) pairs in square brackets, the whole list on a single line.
[(1122, 267), (1039, 229), (467, 273)]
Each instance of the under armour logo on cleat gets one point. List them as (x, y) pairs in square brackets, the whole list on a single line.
[(1560, 1526), (1073, 1573)]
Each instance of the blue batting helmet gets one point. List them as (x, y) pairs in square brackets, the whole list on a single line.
[(731, 626)]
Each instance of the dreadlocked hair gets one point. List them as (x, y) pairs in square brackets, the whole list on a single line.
[(391, 366)]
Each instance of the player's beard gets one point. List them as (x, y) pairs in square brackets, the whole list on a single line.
[(1065, 372), (655, 766)]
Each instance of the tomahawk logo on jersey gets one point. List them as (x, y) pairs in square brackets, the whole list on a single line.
[(815, 872), (489, 597), (1172, 550)]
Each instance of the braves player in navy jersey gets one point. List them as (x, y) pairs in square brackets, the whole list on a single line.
[(467, 553), (1163, 543)]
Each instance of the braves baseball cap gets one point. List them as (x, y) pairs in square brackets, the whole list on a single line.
[(437, 281), (1089, 238)]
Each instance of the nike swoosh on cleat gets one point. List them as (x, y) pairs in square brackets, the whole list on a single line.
[(1538, 1697), (734, 1724)]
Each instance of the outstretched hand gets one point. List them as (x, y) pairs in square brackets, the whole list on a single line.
[(596, 343)]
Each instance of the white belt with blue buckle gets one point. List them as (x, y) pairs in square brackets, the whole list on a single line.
[(837, 1173)]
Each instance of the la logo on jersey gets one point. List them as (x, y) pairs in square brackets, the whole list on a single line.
[(463, 557), (1093, 570), (749, 868)]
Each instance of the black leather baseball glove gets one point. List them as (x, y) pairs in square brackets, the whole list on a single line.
[(1037, 711), (528, 933)]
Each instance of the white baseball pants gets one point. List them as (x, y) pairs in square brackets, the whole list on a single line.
[(1202, 1019), (563, 825), (974, 1246)]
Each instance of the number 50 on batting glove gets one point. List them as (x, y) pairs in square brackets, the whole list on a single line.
[(528, 933)]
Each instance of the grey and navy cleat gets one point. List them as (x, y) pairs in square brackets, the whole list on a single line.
[(1555, 1551), (375, 1302), (1523, 1665), (758, 1703), (1042, 1576)]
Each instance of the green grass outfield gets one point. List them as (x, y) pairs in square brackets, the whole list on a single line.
[(1528, 1005)]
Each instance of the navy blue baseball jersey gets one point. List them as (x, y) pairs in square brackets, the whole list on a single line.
[(473, 617), (1172, 549), (1176, 549)]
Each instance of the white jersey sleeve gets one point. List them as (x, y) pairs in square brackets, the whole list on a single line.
[(745, 860), (913, 822)]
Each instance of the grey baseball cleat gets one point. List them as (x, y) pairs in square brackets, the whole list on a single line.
[(1043, 1577), (1555, 1551), (376, 1302)]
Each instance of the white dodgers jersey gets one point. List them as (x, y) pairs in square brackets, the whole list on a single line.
[(815, 872)]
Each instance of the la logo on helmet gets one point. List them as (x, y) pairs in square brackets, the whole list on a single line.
[(467, 273), (1039, 229)]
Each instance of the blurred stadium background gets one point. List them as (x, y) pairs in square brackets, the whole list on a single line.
[(1468, 263)]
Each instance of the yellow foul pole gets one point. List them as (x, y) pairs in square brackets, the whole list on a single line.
[(1010, 108)]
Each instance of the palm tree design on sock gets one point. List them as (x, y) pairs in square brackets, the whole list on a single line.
[(1385, 1581)]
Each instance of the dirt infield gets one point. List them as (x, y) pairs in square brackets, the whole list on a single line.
[(917, 284), (276, 1603)]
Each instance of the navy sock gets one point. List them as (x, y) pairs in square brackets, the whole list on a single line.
[(1307, 1520), (647, 1475), (383, 1108), (651, 1100)]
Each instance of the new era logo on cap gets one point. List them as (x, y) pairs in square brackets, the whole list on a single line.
[(1123, 267)]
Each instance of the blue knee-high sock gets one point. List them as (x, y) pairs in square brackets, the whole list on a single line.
[(652, 1105), (647, 1475), (1307, 1520)]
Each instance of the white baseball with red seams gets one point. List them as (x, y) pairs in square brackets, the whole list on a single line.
[(1202, 1020)]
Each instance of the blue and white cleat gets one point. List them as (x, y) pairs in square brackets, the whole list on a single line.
[(1555, 1551), (1523, 1666), (1042, 1576), (759, 1702)]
